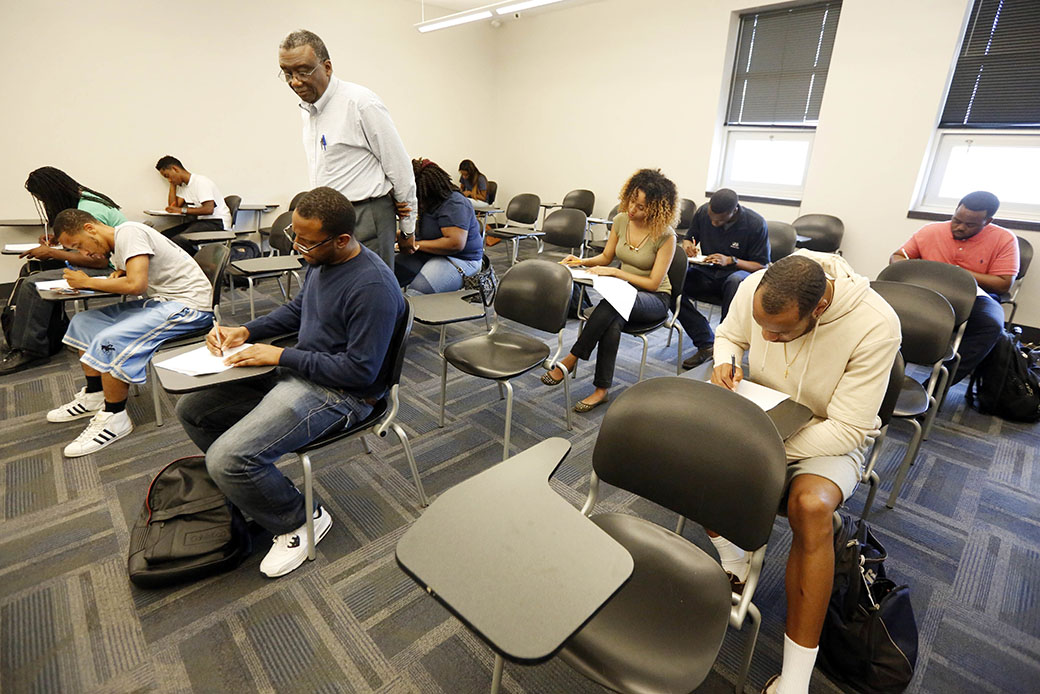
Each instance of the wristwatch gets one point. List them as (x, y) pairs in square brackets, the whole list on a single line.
[(184, 210)]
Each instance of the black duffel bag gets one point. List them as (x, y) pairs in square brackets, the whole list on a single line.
[(187, 530), (869, 639)]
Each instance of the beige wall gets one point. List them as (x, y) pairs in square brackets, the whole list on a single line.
[(574, 98)]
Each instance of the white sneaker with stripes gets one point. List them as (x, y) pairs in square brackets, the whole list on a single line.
[(104, 428), (83, 405)]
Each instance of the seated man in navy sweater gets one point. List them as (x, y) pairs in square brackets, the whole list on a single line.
[(735, 243), (345, 315)]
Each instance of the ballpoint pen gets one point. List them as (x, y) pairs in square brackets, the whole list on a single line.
[(733, 368)]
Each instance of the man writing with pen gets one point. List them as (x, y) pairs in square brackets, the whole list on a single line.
[(813, 329), (345, 317)]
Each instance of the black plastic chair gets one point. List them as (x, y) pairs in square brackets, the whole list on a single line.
[(825, 232), (382, 419), (926, 322), (285, 264), (663, 629), (579, 199), (535, 293), (959, 288), (521, 217), (492, 192), (1010, 297), (296, 200), (783, 238), (565, 228), (677, 277), (687, 208), (213, 259), (233, 202), (885, 413), (598, 246)]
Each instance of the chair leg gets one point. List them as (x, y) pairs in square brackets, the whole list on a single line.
[(155, 395), (403, 438), (749, 648), (440, 344), (252, 305), (308, 504), (566, 397), (908, 460), (874, 481), (940, 392), (496, 675), (444, 388), (364, 442), (642, 362), (509, 418), (678, 350), (516, 251), (680, 525), (231, 293)]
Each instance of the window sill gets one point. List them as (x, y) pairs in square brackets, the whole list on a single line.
[(763, 199), (1016, 224)]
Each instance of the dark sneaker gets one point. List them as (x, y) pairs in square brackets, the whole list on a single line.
[(699, 358), (17, 359)]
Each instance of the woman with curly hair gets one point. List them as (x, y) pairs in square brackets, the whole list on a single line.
[(447, 243), (643, 239)]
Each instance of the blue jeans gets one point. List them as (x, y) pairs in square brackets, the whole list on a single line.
[(707, 284), (604, 328), (985, 324), (244, 427), (423, 273)]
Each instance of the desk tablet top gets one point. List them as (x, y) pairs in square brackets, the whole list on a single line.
[(447, 307), (512, 559), (174, 382)]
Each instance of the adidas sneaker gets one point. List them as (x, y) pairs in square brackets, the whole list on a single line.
[(104, 428), (83, 405)]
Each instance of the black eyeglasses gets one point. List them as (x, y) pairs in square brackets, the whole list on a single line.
[(288, 231)]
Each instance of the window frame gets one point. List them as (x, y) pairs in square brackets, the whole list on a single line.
[(735, 133)]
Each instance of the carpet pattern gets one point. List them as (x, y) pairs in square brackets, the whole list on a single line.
[(965, 536)]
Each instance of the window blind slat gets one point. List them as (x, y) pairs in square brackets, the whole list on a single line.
[(996, 82), (781, 65)]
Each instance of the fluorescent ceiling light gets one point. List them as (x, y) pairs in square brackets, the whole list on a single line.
[(524, 5), (453, 20)]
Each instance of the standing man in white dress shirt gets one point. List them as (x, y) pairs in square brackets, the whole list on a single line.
[(351, 143)]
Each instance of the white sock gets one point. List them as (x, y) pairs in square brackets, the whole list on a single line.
[(797, 668), (733, 558)]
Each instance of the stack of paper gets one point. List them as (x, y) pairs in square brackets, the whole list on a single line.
[(699, 259), (200, 361), (19, 247), (60, 286)]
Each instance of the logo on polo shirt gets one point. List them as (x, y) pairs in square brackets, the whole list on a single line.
[(735, 244)]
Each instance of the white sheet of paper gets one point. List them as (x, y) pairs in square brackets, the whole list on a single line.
[(200, 361), (60, 286), (699, 259), (19, 247), (763, 396), (162, 213), (620, 294), (579, 274), (979, 291)]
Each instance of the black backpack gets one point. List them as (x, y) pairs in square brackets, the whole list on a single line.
[(187, 530), (869, 639), (1003, 385)]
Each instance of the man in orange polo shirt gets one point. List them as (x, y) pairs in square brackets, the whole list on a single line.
[(990, 253)]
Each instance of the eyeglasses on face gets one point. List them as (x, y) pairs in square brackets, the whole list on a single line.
[(291, 235), (299, 75)]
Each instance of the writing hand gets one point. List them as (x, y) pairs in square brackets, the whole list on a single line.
[(724, 375), (256, 355), (225, 338), (571, 261), (690, 247), (77, 279)]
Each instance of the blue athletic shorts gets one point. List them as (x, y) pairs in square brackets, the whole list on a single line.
[(121, 338)]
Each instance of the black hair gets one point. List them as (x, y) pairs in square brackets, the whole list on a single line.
[(794, 278), (432, 185), (331, 208), (302, 37), (71, 222), (723, 200), (981, 200), (472, 172), (58, 191), (166, 162)]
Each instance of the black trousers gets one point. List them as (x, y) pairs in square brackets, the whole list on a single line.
[(604, 327)]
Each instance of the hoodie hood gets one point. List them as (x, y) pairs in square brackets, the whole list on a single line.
[(849, 288)]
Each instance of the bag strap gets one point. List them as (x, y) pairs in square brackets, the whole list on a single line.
[(207, 504), (461, 273)]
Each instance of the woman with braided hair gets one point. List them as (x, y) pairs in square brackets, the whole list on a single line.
[(447, 244), (34, 327), (643, 239)]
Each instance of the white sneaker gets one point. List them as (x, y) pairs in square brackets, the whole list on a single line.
[(104, 428), (289, 551), (83, 405)]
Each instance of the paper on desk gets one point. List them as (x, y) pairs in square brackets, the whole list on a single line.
[(61, 286), (200, 361), (699, 259), (19, 247), (620, 294), (763, 396), (579, 274)]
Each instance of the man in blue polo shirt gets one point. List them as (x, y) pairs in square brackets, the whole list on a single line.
[(734, 242)]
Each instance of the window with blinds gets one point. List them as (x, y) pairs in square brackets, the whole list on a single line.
[(996, 83), (781, 65)]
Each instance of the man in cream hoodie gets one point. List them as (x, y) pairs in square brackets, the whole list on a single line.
[(814, 330)]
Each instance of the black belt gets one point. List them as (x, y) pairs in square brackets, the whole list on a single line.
[(368, 200)]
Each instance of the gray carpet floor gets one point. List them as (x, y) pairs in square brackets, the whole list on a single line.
[(965, 537)]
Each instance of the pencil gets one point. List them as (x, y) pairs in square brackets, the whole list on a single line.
[(220, 338)]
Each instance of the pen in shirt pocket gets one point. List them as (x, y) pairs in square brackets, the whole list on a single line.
[(323, 143)]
